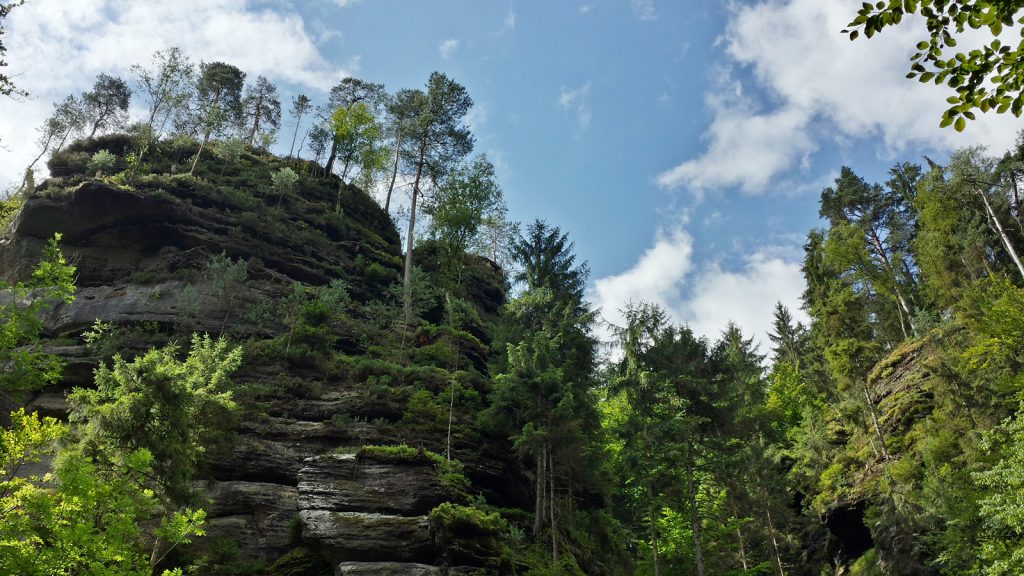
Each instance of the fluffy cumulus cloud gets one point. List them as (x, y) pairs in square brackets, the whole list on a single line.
[(57, 47), (448, 47), (822, 89), (705, 297)]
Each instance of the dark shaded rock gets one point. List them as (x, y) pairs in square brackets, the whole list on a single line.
[(256, 515), (361, 536), (848, 534), (345, 484)]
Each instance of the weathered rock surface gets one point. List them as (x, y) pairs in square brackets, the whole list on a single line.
[(362, 536), (344, 483), (142, 255), (257, 515), (386, 569)]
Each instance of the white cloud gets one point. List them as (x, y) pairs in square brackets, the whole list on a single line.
[(448, 47), (584, 8), (346, 3), (822, 88), (746, 296), (644, 9), (705, 297), (745, 149), (576, 99), (508, 25), (56, 47), (657, 277)]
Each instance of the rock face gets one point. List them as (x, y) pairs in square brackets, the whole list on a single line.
[(341, 483), (143, 254)]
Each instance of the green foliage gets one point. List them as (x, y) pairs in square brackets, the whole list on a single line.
[(284, 182), (457, 210), (990, 77), (466, 519), (176, 410), (359, 139), (26, 365), (102, 161), (81, 517)]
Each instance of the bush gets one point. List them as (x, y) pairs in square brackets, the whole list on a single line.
[(456, 518), (102, 161)]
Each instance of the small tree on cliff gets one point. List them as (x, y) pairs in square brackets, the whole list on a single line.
[(218, 100)]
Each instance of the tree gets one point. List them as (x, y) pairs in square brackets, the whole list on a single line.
[(358, 139), (7, 87), (284, 182), (168, 86), (869, 239), (987, 78), (83, 517), (68, 117), (106, 106), (457, 210), (788, 339), (496, 236), (261, 108), (178, 411), (543, 398), (300, 106), (24, 365), (344, 94), (402, 111), (218, 100), (439, 140)]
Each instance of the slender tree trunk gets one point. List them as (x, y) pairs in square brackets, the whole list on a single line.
[(206, 138), (294, 136), (451, 413), (329, 167), (654, 528), (739, 538), (874, 420), (551, 507), (538, 507), (256, 120), (407, 279), (1002, 233), (775, 541), (876, 243), (695, 523), (394, 170), (298, 153)]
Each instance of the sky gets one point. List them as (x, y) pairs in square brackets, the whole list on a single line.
[(682, 145)]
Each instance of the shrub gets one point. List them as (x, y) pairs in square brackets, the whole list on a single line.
[(102, 161)]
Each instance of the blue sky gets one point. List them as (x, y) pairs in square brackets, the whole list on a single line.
[(682, 145)]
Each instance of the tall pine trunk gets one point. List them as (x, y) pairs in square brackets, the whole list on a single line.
[(394, 170), (407, 277)]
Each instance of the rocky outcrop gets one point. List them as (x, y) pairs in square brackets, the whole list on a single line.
[(142, 254)]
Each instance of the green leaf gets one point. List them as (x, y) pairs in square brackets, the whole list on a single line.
[(946, 121), (960, 124)]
